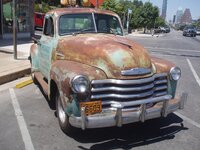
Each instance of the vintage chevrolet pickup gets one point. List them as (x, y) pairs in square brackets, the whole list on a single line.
[(96, 76)]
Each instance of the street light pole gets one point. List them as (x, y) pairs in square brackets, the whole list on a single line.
[(14, 28), (128, 18)]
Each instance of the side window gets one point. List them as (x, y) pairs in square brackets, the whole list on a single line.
[(49, 27)]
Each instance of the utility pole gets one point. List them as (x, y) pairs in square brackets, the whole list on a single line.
[(14, 28), (128, 18)]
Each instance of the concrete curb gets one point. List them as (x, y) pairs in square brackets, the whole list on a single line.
[(146, 35), (15, 75), (7, 51)]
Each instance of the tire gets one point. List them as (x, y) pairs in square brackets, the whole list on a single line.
[(63, 118)]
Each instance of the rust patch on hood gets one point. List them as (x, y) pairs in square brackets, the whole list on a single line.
[(110, 53)]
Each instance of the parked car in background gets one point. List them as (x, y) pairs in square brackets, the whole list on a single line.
[(161, 29), (189, 31), (164, 29), (39, 20), (197, 31)]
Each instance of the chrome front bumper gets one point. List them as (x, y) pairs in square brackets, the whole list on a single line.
[(117, 117)]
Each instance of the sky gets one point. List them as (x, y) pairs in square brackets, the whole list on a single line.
[(173, 5)]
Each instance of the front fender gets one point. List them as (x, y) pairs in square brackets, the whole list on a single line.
[(62, 72), (34, 57), (164, 66)]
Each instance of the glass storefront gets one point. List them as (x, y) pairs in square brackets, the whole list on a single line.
[(1, 18), (24, 16)]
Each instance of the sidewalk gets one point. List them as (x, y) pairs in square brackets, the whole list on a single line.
[(141, 34), (12, 69)]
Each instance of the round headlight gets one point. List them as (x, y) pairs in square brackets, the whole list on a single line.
[(80, 84), (175, 73)]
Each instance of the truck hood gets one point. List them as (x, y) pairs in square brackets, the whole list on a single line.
[(110, 53)]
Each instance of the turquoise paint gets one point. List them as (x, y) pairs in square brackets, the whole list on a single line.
[(35, 61), (103, 66), (172, 87), (117, 58), (73, 107), (48, 44)]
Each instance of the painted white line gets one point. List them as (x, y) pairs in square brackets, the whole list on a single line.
[(171, 49), (21, 122), (193, 71), (188, 120)]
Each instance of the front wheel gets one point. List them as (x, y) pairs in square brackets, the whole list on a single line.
[(63, 118)]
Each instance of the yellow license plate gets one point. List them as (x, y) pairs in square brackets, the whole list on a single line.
[(92, 107)]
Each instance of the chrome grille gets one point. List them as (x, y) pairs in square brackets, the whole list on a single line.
[(127, 90)]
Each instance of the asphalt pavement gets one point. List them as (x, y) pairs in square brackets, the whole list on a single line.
[(28, 122)]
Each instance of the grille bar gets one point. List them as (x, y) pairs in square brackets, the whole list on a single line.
[(164, 87), (160, 81), (131, 89), (127, 82), (128, 90), (128, 96)]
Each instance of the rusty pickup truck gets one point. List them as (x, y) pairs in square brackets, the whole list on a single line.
[(95, 76)]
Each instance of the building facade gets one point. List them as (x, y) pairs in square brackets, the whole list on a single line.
[(186, 18), (164, 9), (25, 18), (179, 15), (174, 19)]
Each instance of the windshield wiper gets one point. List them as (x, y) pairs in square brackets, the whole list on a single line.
[(109, 31), (83, 31)]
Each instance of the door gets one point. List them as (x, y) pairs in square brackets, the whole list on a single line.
[(46, 46)]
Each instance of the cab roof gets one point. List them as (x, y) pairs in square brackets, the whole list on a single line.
[(71, 10)]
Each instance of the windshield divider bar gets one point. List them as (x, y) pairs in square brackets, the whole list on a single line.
[(95, 27)]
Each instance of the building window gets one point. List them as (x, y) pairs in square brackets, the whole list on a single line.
[(22, 16)]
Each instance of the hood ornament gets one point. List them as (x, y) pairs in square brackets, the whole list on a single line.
[(136, 71)]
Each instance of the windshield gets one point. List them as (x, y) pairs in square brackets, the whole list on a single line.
[(107, 24), (72, 23), (84, 23)]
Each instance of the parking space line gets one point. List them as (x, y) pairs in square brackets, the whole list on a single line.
[(171, 49), (193, 71), (21, 122), (188, 120)]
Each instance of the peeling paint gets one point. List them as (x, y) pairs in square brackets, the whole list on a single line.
[(98, 56)]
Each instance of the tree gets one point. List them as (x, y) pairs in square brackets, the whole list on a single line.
[(159, 22), (147, 15), (111, 5), (197, 23), (125, 6), (143, 15)]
